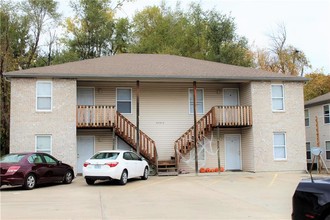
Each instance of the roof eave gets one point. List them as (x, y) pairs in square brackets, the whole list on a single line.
[(159, 77)]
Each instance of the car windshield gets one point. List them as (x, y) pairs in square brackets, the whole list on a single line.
[(11, 158), (106, 155)]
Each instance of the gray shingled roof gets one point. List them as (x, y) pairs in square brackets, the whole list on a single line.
[(320, 100), (151, 66)]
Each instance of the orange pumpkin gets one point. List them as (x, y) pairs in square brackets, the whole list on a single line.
[(207, 170), (222, 169), (216, 169), (202, 170)]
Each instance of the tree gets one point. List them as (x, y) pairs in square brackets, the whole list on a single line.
[(196, 33), (42, 15), (92, 31), (282, 58), (13, 43), (319, 84)]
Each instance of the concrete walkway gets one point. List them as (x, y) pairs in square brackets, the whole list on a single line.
[(225, 196)]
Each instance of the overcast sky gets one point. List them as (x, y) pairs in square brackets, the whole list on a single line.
[(306, 22)]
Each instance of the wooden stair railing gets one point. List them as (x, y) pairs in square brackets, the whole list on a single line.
[(185, 143), (218, 116), (95, 116), (233, 116), (125, 129)]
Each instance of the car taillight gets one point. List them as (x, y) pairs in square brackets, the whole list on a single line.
[(112, 164), (12, 169), (86, 164)]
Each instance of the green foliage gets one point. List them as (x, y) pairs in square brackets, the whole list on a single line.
[(319, 84), (199, 34), (93, 31)]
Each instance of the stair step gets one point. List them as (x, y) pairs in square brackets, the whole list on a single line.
[(166, 163), (167, 168), (168, 173)]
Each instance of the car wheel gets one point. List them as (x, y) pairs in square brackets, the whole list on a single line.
[(30, 181), (123, 178), (68, 177), (90, 181), (145, 174)]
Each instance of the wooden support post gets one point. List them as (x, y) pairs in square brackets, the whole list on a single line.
[(138, 117), (195, 127), (218, 148)]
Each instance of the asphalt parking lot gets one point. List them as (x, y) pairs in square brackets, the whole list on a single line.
[(226, 196)]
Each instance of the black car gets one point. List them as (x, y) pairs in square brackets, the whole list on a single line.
[(311, 200), (30, 169)]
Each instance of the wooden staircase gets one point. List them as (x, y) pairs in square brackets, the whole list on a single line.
[(218, 116), (167, 168), (185, 143), (127, 131), (108, 117)]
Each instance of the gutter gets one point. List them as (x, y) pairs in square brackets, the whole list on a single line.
[(161, 77)]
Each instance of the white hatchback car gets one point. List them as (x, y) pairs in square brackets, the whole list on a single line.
[(119, 165)]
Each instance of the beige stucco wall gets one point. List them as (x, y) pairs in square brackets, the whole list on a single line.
[(324, 131), (60, 123), (164, 116), (266, 122)]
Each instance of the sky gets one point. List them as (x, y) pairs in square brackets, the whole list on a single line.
[(306, 22)]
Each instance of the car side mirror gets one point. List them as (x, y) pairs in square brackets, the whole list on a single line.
[(59, 162)]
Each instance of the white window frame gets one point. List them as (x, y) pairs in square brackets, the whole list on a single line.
[(325, 146), (131, 101), (283, 98), (51, 96), (274, 146), (307, 117), (326, 115), (310, 152), (44, 150), (189, 104)]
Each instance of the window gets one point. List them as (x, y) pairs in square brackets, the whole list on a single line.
[(326, 114), (44, 143), (124, 100), (327, 150), (279, 146), (308, 151), (306, 117), (134, 156), (44, 96), (50, 160), (35, 158), (277, 97), (199, 99)]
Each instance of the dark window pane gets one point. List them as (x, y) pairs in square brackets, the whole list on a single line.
[(124, 107)]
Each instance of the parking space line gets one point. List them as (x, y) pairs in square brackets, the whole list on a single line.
[(273, 180)]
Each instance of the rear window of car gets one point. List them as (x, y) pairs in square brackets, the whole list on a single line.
[(106, 155), (12, 158)]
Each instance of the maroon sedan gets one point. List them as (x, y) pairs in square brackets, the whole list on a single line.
[(30, 169)]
